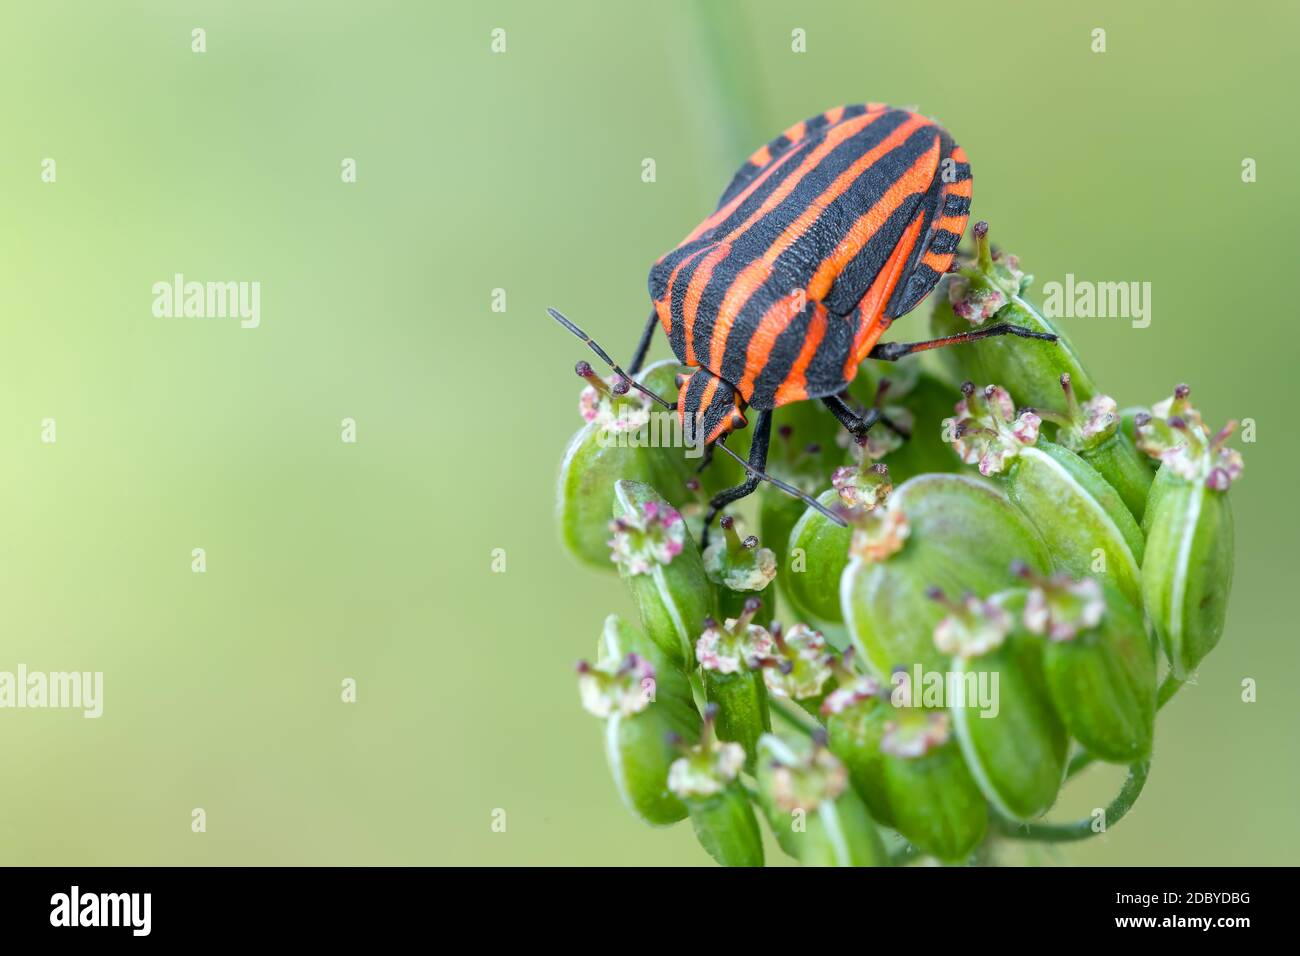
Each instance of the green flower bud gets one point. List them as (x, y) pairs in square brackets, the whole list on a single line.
[(856, 713), (990, 288), (1014, 744), (814, 816), (601, 453), (819, 549), (950, 528), (1187, 572), (740, 569), (729, 656), (642, 710), (1092, 431), (1086, 524), (1099, 665), (705, 779), (935, 802), (661, 566)]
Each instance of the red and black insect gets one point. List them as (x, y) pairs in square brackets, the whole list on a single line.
[(825, 235)]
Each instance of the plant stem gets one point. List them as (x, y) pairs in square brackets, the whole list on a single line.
[(1082, 829), (1123, 802)]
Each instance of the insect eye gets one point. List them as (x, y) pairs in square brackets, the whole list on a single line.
[(738, 421), (680, 378)]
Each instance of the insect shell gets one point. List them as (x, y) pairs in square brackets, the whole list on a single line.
[(825, 235)]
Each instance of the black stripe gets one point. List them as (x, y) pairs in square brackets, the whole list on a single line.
[(816, 128), (825, 375), (918, 279), (724, 400), (912, 290), (781, 359), (944, 242), (795, 267), (742, 212), (955, 205), (803, 254), (774, 147), (677, 306), (804, 258), (855, 278)]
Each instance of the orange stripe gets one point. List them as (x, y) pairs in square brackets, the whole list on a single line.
[(936, 261), (955, 224), (681, 398), (871, 321), (774, 322), (721, 214), (916, 179), (795, 386), (754, 274), (668, 298), (691, 304), (710, 388), (760, 156), (833, 115), (961, 188), (723, 426), (664, 309)]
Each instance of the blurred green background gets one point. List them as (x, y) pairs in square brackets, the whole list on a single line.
[(521, 171)]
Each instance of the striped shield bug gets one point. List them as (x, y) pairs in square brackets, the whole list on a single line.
[(824, 236)]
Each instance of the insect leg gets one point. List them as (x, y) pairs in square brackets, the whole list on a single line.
[(604, 357), (757, 462), (893, 351), (706, 460), (860, 425), (643, 347)]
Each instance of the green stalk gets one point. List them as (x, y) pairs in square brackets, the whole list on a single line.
[(1080, 829)]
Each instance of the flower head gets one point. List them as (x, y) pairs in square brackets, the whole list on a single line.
[(805, 780), (800, 664), (612, 403), (1060, 607), (986, 429), (864, 486), (707, 768), (878, 534), (1176, 435), (972, 627), (616, 686), (739, 564), (650, 534), (735, 646), (914, 733), (982, 285)]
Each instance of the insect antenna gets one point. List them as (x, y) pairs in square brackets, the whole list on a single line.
[(604, 356), (789, 489)]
